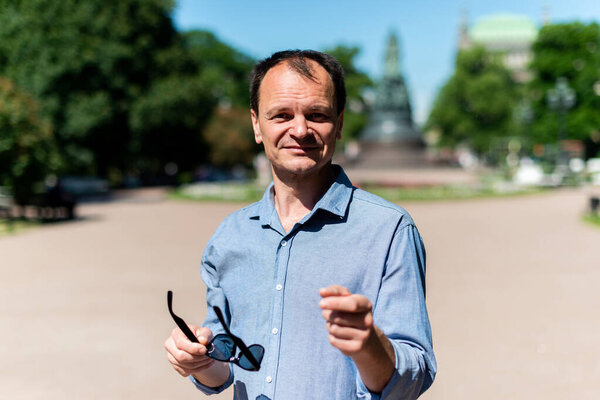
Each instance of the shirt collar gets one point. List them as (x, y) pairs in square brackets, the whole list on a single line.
[(335, 200)]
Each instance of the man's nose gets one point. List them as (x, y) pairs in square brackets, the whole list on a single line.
[(300, 127)]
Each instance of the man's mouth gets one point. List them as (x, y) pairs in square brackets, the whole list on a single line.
[(301, 148)]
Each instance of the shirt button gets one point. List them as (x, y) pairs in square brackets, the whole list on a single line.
[(283, 243), (269, 379), (278, 287), (274, 331)]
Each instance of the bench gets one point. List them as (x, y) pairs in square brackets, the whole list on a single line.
[(6, 203), (55, 204)]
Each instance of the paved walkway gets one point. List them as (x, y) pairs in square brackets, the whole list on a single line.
[(512, 294)]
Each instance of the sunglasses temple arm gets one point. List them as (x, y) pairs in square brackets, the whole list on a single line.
[(179, 321), (222, 320), (186, 331)]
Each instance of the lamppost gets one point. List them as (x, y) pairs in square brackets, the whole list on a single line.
[(561, 98), (524, 116)]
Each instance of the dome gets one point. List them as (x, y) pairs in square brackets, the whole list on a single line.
[(503, 28)]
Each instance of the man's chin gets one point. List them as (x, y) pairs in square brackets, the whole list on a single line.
[(302, 167)]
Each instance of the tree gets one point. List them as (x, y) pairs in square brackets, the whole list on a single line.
[(167, 123), (208, 82), (227, 69), (124, 91), (570, 51), (86, 62), (26, 146), (475, 106), (357, 82), (231, 138)]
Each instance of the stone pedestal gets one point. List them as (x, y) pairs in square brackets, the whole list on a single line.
[(376, 155)]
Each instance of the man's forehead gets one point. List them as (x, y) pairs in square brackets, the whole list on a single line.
[(273, 79), (308, 69)]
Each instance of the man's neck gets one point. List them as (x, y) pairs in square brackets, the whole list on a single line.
[(296, 195)]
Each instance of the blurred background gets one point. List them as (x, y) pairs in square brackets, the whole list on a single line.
[(155, 93), (113, 113)]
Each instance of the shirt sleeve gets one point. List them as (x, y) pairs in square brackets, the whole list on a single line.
[(214, 293), (214, 297), (400, 312), (210, 390)]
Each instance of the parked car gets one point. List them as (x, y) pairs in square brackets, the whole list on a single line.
[(85, 187)]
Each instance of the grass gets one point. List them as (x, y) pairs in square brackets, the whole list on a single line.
[(592, 219), (435, 193), (9, 228), (230, 192), (248, 192)]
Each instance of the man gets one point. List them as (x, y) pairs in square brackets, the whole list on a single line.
[(328, 278)]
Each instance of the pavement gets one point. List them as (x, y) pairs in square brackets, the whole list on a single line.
[(512, 296)]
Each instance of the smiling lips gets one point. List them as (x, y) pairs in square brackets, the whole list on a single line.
[(301, 149), (307, 144)]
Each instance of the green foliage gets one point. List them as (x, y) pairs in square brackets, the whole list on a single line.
[(571, 51), (454, 192), (227, 68), (169, 120), (8, 227), (122, 88), (123, 92), (592, 219), (475, 106), (85, 61), (354, 122), (26, 147), (356, 82), (167, 123), (231, 138), (229, 192)]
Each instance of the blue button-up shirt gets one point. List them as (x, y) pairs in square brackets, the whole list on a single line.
[(267, 283)]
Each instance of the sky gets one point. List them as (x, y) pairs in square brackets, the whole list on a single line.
[(427, 29)]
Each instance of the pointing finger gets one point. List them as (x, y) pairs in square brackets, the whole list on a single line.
[(352, 304), (334, 290)]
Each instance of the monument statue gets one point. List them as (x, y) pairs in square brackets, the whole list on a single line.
[(390, 138), (392, 58)]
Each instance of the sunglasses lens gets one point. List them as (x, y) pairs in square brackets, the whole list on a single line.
[(221, 348), (257, 351)]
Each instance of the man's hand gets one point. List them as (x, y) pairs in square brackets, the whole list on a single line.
[(349, 319), (189, 358), (351, 330)]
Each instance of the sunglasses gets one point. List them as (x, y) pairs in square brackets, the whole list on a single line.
[(223, 346)]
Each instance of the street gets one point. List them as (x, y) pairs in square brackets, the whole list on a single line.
[(511, 291)]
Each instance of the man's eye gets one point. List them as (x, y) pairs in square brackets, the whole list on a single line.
[(318, 117), (281, 117)]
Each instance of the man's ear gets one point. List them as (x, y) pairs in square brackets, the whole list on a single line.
[(340, 125), (256, 127)]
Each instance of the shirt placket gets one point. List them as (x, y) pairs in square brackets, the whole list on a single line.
[(282, 258)]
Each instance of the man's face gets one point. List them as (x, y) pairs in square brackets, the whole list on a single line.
[(297, 120)]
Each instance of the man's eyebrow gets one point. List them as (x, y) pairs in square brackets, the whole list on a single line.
[(277, 108), (321, 107)]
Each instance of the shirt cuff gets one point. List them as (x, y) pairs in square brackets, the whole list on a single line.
[(213, 390), (406, 381), (363, 392)]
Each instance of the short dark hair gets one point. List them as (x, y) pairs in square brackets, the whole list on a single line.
[(297, 60)]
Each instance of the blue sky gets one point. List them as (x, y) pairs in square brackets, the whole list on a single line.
[(428, 29)]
